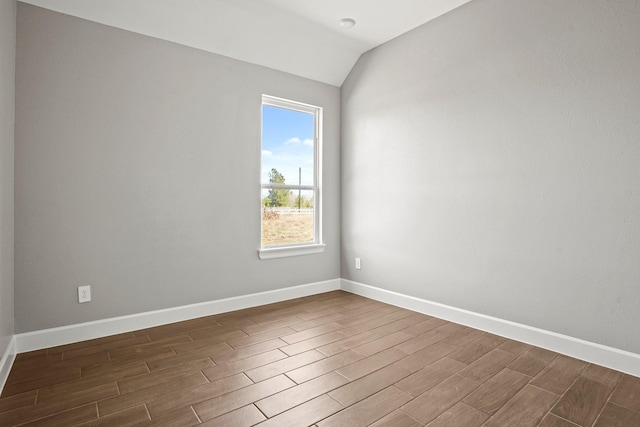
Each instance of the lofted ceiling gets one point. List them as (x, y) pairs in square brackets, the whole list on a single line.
[(300, 37)]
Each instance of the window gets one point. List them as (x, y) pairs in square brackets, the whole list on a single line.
[(290, 179)]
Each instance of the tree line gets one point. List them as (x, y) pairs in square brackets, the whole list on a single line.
[(282, 197)]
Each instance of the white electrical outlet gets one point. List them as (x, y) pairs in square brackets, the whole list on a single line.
[(358, 265), (84, 294)]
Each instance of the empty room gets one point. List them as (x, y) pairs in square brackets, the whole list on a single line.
[(336, 213)]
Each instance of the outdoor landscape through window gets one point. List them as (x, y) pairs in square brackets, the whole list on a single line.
[(289, 179)]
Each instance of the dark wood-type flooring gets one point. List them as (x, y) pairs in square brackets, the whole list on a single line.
[(334, 359)]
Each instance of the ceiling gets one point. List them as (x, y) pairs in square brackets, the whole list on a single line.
[(300, 37)]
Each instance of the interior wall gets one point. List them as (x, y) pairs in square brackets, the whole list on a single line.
[(7, 114), (138, 173), (490, 162)]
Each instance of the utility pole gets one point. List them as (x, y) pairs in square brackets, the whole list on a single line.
[(299, 183)]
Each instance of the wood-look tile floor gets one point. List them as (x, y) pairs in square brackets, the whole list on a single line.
[(334, 359)]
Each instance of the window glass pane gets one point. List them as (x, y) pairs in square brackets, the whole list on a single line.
[(287, 146), (293, 223)]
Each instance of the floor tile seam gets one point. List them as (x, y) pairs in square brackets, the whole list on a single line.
[(613, 389), (97, 402), (194, 331), (586, 365), (532, 378), (421, 394), (397, 362), (312, 327), (245, 357), (394, 331), (430, 345), (146, 408), (259, 339), (147, 400), (563, 419), (508, 351), (367, 315), (445, 379), (194, 413), (523, 373), (302, 307), (296, 383), (426, 390), (79, 346), (514, 395), (488, 379), (143, 404), (595, 420), (326, 393), (623, 407), (408, 415), (371, 372), (192, 404), (266, 324), (259, 410), (234, 391), (282, 360), (95, 377), (393, 410), (283, 337), (17, 408), (558, 396), (342, 408), (277, 313), (65, 356), (208, 381), (336, 372), (342, 349), (379, 337), (636, 411), (602, 383), (327, 312), (314, 338), (64, 392), (8, 385), (94, 403), (378, 391), (242, 371), (557, 399), (580, 376)]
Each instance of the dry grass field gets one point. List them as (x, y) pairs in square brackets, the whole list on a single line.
[(278, 229)]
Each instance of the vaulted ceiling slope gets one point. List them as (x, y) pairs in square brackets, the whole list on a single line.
[(300, 37)]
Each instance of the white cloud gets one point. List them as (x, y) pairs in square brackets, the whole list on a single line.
[(294, 140), (308, 142), (266, 153)]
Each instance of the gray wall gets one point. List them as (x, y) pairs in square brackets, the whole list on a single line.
[(137, 172), (7, 114), (491, 161), (7, 97)]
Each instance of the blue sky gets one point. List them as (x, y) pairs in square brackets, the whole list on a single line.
[(287, 144)]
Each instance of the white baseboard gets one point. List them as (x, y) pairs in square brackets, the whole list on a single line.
[(609, 357), (6, 362), (101, 328)]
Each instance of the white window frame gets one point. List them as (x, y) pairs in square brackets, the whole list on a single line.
[(306, 248)]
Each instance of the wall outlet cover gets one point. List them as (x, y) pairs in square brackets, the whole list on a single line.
[(84, 294)]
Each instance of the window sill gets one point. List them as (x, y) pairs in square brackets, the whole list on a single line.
[(289, 251)]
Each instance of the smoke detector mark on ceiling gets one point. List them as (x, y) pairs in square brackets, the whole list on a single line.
[(347, 23)]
